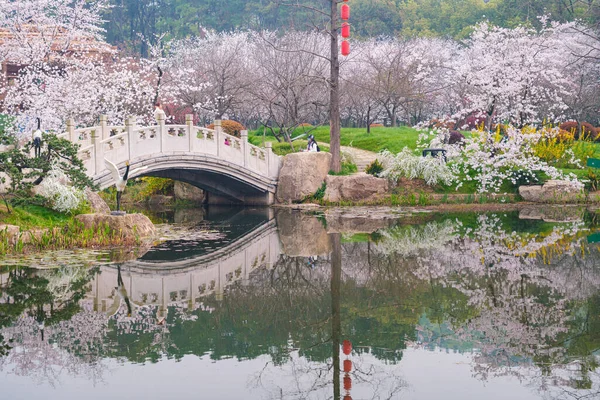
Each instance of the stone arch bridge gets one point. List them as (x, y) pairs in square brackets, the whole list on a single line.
[(230, 168)]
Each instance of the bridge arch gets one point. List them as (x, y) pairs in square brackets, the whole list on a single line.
[(229, 167)]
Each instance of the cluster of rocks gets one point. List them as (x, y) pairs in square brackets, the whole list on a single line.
[(303, 174)]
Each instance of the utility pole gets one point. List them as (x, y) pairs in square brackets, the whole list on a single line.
[(334, 90)]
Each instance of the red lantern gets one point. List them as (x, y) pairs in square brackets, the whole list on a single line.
[(345, 12), (347, 365), (347, 397), (345, 30), (345, 52), (347, 382), (346, 344)]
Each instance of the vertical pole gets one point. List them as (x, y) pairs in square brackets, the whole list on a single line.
[(334, 91), (71, 131), (161, 131), (245, 147), (269, 150), (130, 125), (98, 152), (218, 131), (104, 127), (189, 121)]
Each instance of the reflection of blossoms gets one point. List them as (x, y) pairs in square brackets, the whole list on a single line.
[(412, 240), (75, 346)]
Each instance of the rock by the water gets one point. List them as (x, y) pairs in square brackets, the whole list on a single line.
[(553, 191), (97, 204), (357, 187), (129, 225), (185, 191), (302, 174)]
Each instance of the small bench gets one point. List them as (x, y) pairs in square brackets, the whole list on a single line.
[(435, 153)]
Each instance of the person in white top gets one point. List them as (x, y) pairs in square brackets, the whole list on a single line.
[(159, 113), (312, 144), (37, 139)]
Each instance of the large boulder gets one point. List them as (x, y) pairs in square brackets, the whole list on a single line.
[(357, 187), (301, 175), (302, 235), (185, 191), (97, 204), (553, 191), (130, 225)]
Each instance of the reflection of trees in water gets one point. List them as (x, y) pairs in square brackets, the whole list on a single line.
[(50, 333), (524, 298), (527, 296)]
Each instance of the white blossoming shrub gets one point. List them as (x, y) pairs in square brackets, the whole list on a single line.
[(491, 160), (408, 165), (63, 198)]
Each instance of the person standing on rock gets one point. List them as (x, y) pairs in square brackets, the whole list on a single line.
[(312, 144)]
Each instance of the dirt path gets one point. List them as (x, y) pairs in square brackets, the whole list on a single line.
[(362, 158)]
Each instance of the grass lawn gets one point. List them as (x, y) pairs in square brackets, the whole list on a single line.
[(392, 139), (32, 216)]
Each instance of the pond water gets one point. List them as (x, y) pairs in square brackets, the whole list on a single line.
[(258, 304)]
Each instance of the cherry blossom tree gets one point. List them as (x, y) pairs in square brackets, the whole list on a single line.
[(514, 75)]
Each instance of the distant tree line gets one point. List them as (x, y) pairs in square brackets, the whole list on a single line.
[(134, 24)]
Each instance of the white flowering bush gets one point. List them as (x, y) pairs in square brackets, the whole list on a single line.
[(408, 165), (62, 197), (491, 159)]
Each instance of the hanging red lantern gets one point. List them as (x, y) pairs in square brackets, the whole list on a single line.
[(345, 30), (345, 52), (347, 397), (347, 382), (345, 12), (347, 365), (346, 344)]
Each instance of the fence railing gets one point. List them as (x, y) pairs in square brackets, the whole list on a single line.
[(131, 142)]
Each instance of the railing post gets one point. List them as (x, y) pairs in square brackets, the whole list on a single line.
[(104, 127), (189, 122), (130, 126), (218, 131), (98, 151), (245, 148), (71, 131), (269, 150), (161, 131)]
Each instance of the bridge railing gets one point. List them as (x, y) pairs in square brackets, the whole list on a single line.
[(128, 142)]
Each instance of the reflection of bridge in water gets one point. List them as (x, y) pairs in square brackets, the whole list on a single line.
[(187, 280)]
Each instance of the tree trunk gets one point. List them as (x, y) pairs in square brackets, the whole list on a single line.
[(369, 119), (334, 93)]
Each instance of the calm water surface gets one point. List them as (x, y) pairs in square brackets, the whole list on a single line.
[(253, 304)]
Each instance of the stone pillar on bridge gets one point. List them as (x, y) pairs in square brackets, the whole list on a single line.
[(97, 138), (218, 130), (104, 131), (162, 135), (71, 131), (189, 122), (269, 150), (130, 126), (244, 135)]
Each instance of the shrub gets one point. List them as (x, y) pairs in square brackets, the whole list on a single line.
[(230, 127), (376, 125), (475, 121), (375, 168), (407, 165), (587, 129), (304, 124), (62, 197), (456, 137), (154, 186)]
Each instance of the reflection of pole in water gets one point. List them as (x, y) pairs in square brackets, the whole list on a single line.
[(122, 291), (336, 322)]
